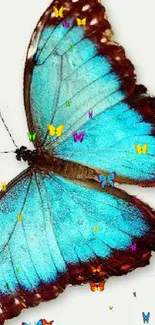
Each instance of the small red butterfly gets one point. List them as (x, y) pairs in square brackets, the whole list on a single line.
[(94, 287)]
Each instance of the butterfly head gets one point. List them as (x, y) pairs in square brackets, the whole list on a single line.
[(39, 159), (24, 154)]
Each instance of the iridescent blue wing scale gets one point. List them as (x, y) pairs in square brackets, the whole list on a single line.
[(95, 75), (56, 241), (30, 259)]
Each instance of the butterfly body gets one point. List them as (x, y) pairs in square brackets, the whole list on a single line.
[(44, 161)]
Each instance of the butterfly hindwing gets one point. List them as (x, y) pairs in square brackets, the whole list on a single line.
[(49, 242)]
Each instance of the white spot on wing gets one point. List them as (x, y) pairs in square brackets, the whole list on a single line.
[(16, 301), (31, 52), (86, 7), (117, 58), (94, 21), (38, 295), (103, 40), (53, 14)]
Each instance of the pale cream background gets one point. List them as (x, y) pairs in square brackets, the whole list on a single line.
[(134, 26)]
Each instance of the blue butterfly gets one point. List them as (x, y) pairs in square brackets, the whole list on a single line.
[(107, 180), (42, 208), (40, 322), (146, 317)]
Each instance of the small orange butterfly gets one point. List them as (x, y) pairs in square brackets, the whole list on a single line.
[(46, 323), (94, 287), (96, 269)]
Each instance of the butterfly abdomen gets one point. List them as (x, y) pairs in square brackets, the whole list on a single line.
[(67, 169), (75, 171)]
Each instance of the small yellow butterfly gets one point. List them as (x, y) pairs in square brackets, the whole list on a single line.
[(3, 187), (55, 131), (96, 228), (58, 12), (81, 21), (19, 217), (142, 149)]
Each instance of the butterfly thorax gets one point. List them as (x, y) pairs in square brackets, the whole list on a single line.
[(39, 158)]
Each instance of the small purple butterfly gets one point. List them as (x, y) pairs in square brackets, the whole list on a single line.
[(65, 23), (90, 114), (133, 247), (78, 137)]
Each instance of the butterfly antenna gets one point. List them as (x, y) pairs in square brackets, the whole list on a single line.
[(6, 151), (8, 131)]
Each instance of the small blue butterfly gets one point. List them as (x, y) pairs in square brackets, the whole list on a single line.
[(107, 180), (146, 317), (40, 322)]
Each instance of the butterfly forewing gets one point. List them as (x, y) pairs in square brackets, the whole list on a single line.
[(94, 76)]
